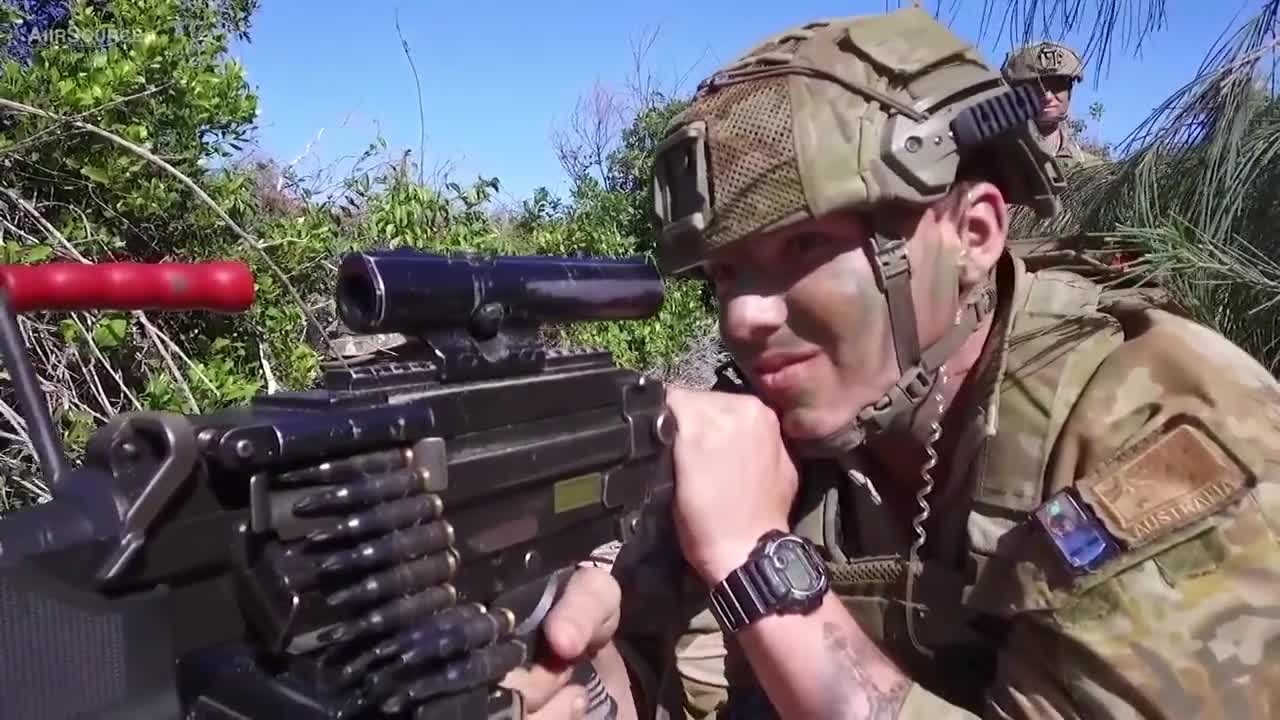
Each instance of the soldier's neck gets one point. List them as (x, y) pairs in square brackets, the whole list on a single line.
[(1052, 133), (904, 456)]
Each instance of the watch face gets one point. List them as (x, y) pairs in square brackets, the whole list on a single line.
[(792, 561)]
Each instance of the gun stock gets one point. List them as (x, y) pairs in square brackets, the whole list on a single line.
[(386, 545)]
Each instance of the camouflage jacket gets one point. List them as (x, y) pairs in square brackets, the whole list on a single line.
[(1067, 150), (1183, 621)]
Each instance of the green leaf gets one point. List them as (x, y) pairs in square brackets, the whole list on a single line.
[(36, 253), (110, 332), (96, 174), (69, 331)]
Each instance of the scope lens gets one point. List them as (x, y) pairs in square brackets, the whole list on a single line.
[(360, 300)]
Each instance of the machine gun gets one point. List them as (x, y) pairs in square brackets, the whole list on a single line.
[(386, 545)]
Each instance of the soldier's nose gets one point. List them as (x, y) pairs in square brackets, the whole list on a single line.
[(752, 318)]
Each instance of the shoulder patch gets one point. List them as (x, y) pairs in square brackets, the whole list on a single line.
[(1166, 482)]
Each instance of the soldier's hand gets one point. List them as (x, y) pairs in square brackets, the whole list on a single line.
[(581, 623), (734, 478)]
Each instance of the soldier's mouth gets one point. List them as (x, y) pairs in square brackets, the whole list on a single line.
[(778, 373)]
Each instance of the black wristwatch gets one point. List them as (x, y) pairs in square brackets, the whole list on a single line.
[(783, 575)]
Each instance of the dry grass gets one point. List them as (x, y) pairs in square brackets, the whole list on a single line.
[(696, 367)]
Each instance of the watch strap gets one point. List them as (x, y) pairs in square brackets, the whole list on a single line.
[(758, 587), (738, 600)]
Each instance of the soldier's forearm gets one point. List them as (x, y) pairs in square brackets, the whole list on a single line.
[(823, 665)]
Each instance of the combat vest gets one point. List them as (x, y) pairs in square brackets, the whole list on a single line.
[(1056, 339)]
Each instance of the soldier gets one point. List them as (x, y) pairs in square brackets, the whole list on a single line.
[(1056, 69), (938, 485)]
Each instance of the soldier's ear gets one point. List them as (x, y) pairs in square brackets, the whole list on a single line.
[(981, 225)]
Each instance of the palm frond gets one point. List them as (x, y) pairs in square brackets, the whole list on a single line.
[(1228, 284), (1128, 22), (1197, 192), (1110, 23)]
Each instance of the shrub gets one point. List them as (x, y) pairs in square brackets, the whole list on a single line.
[(123, 139)]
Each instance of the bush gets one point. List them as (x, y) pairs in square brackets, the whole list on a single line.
[(130, 147)]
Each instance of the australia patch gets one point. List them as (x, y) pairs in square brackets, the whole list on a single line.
[(1166, 482)]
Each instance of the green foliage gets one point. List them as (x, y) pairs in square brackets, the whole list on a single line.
[(156, 81), (629, 165), (1084, 131), (161, 80), (153, 73), (1195, 203)]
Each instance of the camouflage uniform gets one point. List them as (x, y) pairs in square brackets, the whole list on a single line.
[(1186, 626), (1047, 59), (1062, 143), (1165, 431), (1036, 244)]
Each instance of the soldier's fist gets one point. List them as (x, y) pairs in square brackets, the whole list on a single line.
[(734, 478)]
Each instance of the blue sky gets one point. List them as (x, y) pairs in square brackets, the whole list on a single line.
[(498, 77)]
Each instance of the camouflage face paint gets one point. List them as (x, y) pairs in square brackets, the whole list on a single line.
[(834, 311), (844, 300)]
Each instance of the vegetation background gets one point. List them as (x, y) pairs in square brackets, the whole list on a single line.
[(122, 130)]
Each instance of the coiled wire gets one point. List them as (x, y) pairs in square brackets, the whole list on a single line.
[(917, 523)]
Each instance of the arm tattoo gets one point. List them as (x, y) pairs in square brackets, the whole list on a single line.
[(852, 691)]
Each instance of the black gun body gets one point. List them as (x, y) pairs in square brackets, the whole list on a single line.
[(310, 527)]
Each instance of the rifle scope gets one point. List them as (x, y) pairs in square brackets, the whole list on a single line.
[(410, 291)]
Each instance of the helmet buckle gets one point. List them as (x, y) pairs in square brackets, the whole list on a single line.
[(891, 262), (916, 384)]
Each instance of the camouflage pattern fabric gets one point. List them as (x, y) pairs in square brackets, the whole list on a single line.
[(1049, 59), (1044, 59), (1066, 150), (771, 138), (1182, 623)]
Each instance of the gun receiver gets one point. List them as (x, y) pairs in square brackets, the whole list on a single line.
[(386, 545)]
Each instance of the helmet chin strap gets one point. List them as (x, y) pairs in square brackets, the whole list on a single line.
[(902, 409)]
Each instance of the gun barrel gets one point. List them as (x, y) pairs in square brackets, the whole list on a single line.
[(408, 290), (216, 286)]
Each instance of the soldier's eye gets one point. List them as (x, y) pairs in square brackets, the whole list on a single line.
[(1056, 84)]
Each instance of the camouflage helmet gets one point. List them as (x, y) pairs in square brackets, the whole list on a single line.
[(1045, 59), (857, 114), (843, 114)]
